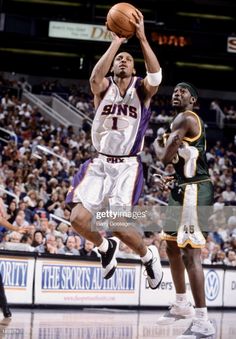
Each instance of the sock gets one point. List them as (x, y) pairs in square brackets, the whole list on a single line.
[(147, 257), (181, 299), (201, 313), (104, 245)]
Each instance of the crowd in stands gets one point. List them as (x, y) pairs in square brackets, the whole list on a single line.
[(34, 183)]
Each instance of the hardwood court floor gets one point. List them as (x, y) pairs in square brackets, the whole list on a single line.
[(102, 324)]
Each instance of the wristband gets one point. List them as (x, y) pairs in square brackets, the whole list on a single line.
[(154, 79)]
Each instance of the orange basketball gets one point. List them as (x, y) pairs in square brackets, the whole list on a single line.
[(118, 19)]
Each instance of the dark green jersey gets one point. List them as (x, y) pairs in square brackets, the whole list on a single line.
[(190, 162)]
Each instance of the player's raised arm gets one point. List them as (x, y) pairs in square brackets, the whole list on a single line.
[(154, 72), (98, 82)]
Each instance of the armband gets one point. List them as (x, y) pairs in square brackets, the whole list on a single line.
[(154, 79)]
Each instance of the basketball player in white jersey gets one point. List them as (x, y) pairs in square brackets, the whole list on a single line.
[(115, 176)]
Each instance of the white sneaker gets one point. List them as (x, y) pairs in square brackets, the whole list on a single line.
[(176, 312), (199, 329), (154, 268)]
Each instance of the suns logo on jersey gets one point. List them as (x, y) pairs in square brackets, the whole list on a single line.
[(119, 109)]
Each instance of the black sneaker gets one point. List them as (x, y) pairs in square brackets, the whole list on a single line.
[(153, 268), (108, 259), (6, 311)]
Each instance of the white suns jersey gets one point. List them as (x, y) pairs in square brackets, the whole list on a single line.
[(120, 122)]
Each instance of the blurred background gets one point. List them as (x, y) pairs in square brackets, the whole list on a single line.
[(194, 39)]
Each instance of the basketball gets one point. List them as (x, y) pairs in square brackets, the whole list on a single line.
[(118, 19)]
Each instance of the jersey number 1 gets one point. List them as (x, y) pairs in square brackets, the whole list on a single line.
[(114, 123)]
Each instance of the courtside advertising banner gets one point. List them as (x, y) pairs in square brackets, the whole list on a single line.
[(161, 296), (230, 289), (73, 282), (214, 286), (18, 277), (165, 294)]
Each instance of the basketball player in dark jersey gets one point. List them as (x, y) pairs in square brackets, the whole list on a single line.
[(190, 198)]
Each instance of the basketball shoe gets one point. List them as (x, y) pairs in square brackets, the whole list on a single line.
[(108, 258), (199, 329), (176, 312), (153, 268), (6, 311)]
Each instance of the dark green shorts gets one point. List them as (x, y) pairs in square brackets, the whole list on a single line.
[(187, 198)]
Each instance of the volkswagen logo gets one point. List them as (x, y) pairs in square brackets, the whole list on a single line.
[(212, 285)]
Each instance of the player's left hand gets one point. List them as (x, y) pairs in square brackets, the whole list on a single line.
[(138, 22)]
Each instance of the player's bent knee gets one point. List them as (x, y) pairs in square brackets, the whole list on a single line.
[(80, 218)]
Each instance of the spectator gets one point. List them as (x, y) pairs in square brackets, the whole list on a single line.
[(162, 251), (15, 237), (40, 211), (60, 243), (70, 247), (205, 256), (62, 230), (230, 259), (59, 211), (228, 195), (53, 203), (28, 213), (79, 242), (218, 258), (20, 220), (11, 211), (49, 247), (88, 249), (38, 238)]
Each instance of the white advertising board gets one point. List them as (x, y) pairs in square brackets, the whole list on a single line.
[(18, 276), (165, 294), (70, 30), (214, 286), (230, 289), (81, 283)]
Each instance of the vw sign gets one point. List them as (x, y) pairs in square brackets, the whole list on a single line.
[(212, 285)]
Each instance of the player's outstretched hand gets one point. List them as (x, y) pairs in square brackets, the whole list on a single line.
[(163, 182), (23, 229)]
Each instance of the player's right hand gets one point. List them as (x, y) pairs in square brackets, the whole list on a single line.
[(115, 36), (23, 229), (163, 182)]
